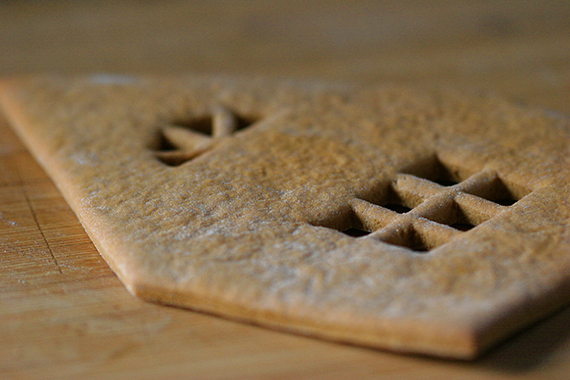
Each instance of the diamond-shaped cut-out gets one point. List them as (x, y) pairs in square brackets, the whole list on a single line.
[(252, 229)]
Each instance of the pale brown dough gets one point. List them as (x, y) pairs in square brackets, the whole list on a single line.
[(242, 197)]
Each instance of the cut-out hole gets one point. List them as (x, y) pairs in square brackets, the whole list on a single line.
[(343, 220), (243, 122), (434, 170), (410, 239), (355, 232), (205, 124), (506, 201), (452, 215), (460, 219), (501, 194), (200, 124), (164, 145), (180, 141), (446, 182), (498, 192), (399, 208), (395, 202), (175, 157), (462, 226)]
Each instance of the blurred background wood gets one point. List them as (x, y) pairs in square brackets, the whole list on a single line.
[(63, 313)]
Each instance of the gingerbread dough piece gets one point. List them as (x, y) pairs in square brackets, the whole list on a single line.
[(408, 220)]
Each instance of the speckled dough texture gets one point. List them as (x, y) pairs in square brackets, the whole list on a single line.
[(417, 221)]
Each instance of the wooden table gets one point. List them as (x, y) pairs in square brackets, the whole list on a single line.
[(63, 313)]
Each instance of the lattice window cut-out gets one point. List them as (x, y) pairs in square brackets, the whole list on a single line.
[(182, 141), (422, 214)]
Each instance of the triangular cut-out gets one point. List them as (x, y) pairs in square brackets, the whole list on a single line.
[(238, 232), (201, 125), (183, 140), (411, 239), (434, 170)]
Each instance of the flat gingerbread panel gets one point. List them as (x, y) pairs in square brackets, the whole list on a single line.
[(417, 221)]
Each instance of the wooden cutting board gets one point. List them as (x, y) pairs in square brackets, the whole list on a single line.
[(64, 314)]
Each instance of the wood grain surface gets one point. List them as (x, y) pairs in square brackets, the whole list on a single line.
[(64, 314)]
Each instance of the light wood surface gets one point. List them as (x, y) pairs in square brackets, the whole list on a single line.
[(64, 314)]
